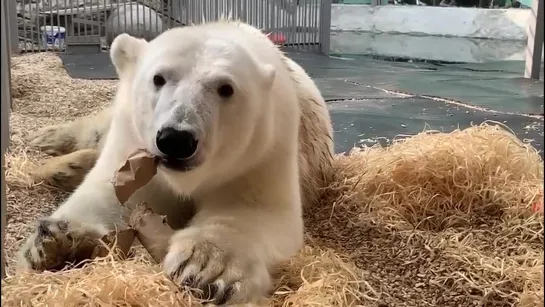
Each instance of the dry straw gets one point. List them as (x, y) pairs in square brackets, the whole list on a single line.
[(314, 278), (438, 219), (435, 181), (464, 199)]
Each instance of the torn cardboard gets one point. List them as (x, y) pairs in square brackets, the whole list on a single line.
[(137, 171), (120, 242), (153, 231)]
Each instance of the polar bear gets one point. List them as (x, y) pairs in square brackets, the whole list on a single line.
[(243, 137)]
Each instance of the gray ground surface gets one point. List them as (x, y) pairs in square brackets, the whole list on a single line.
[(374, 100)]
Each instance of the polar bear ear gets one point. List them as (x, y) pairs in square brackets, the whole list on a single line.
[(125, 51), (268, 72)]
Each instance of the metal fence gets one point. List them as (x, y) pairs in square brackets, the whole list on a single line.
[(60, 24)]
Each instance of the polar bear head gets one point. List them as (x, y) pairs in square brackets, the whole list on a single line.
[(199, 98)]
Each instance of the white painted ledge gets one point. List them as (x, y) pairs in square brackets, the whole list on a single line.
[(458, 49)]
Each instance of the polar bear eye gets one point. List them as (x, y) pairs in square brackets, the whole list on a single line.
[(159, 80), (225, 91)]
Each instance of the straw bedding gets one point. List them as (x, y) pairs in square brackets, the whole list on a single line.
[(433, 220)]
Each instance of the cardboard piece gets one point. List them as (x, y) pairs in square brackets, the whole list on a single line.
[(153, 231), (137, 171), (122, 240)]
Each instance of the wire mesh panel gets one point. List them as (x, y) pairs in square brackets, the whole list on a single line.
[(52, 25)]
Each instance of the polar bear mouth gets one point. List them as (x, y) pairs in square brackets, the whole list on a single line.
[(180, 165)]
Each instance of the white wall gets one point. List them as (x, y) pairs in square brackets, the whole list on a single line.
[(439, 33), (504, 24)]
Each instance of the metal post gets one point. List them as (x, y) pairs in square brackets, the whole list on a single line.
[(325, 26), (12, 32), (4, 113), (3, 211), (534, 47)]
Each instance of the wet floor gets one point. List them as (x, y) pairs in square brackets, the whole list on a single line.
[(375, 99)]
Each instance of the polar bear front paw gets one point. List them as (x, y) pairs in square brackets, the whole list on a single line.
[(67, 172), (222, 275), (56, 243), (54, 140)]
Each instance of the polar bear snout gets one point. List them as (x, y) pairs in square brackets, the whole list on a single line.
[(177, 144)]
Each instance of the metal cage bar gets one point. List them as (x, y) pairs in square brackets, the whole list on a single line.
[(303, 24)]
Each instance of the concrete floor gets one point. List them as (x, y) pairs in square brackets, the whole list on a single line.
[(375, 99)]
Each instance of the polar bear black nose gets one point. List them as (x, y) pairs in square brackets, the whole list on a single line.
[(176, 144)]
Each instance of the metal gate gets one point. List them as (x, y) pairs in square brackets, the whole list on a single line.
[(77, 25)]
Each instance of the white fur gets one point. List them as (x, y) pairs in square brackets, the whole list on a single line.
[(246, 190)]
